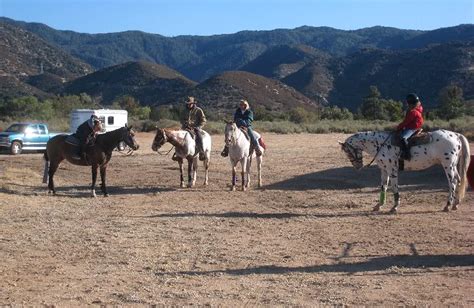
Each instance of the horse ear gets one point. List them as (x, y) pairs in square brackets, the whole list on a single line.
[(340, 142), (130, 127)]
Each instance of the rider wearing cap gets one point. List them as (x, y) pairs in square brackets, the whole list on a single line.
[(86, 132), (412, 123), (195, 121)]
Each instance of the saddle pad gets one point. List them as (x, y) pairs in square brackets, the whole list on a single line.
[(71, 139)]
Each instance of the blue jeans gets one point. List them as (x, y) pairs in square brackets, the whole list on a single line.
[(252, 136), (407, 133)]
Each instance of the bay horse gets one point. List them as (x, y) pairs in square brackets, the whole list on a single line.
[(239, 151), (185, 147), (98, 155), (447, 148)]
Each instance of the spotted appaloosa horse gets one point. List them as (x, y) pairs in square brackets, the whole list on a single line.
[(185, 147), (447, 148)]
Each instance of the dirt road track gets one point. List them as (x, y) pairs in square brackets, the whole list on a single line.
[(308, 237)]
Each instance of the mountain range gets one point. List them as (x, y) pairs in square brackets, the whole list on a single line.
[(307, 66)]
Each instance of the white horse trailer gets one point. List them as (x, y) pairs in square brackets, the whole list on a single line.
[(111, 119)]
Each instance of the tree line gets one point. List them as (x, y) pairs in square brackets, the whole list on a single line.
[(451, 105)]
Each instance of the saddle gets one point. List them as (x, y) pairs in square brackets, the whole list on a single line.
[(420, 137), (76, 144), (245, 131), (257, 136), (72, 140)]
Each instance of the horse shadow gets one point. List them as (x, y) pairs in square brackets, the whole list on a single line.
[(280, 215), (82, 191), (425, 262), (348, 178)]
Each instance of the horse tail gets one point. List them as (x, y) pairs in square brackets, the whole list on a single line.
[(46, 167), (463, 164)]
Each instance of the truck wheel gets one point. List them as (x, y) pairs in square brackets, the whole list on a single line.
[(15, 148)]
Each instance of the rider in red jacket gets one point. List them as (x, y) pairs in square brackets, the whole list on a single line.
[(412, 122)]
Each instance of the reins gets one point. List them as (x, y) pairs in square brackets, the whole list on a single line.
[(163, 153), (129, 153), (381, 146)]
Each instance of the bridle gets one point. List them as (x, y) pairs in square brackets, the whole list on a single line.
[(129, 138), (358, 154), (233, 135), (354, 154)]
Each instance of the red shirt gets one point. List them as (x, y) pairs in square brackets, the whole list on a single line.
[(413, 119)]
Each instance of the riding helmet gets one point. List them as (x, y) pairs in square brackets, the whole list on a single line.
[(412, 99)]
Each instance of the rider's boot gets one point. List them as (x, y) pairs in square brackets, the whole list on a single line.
[(225, 151), (406, 155), (258, 152), (201, 155)]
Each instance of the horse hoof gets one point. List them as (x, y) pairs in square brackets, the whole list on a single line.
[(232, 188), (106, 195), (393, 210), (182, 185), (446, 209), (376, 208), (455, 207)]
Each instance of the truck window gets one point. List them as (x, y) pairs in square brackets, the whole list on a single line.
[(42, 129), (110, 121), (32, 129)]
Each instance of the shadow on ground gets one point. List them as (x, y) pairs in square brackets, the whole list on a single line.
[(371, 265), (349, 178), (282, 215), (81, 191)]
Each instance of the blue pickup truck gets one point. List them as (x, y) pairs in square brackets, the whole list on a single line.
[(25, 136)]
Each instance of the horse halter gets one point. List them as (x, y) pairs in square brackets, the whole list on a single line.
[(129, 139), (355, 156), (162, 140), (233, 137)]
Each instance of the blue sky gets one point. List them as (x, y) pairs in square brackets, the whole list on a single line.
[(206, 17)]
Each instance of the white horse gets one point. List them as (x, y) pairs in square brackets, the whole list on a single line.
[(239, 148), (447, 148), (185, 147)]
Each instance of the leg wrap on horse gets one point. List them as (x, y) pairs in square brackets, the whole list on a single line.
[(383, 197), (396, 198)]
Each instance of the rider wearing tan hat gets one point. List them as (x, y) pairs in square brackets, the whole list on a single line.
[(195, 121)]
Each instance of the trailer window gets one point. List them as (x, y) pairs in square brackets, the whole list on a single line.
[(110, 121)]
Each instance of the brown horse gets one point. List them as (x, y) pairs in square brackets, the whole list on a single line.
[(98, 155)]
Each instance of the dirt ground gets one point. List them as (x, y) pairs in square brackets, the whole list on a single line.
[(307, 237)]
